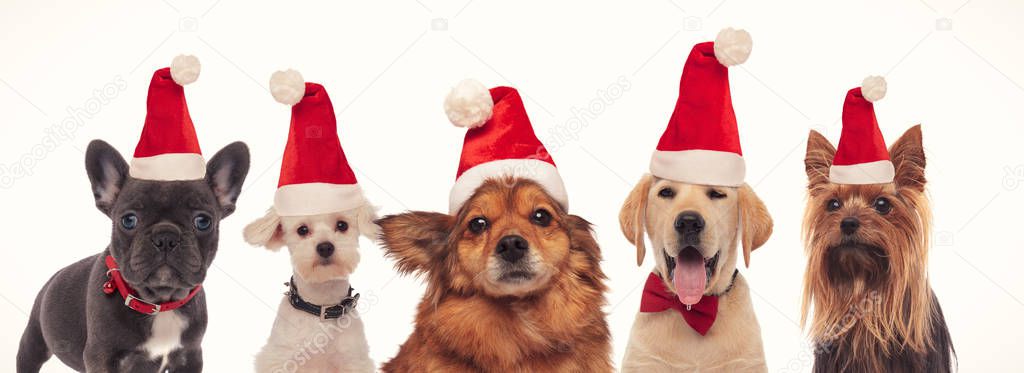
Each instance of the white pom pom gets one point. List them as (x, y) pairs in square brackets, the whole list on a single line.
[(287, 87), (873, 88), (469, 104), (732, 47), (185, 69)]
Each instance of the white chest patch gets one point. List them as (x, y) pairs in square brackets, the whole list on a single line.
[(166, 334)]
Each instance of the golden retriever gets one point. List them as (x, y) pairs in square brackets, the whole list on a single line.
[(695, 230)]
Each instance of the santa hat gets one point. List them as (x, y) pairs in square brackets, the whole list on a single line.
[(701, 144), (861, 157), (315, 175), (500, 142), (168, 148)]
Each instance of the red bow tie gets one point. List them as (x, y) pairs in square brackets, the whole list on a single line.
[(657, 298), (116, 281)]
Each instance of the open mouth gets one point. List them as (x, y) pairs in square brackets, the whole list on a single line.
[(691, 272)]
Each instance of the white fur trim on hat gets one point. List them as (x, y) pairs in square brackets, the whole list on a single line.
[(877, 172), (185, 69), (539, 171), (169, 167), (873, 88), (469, 104), (287, 87), (732, 47), (705, 167), (317, 198)]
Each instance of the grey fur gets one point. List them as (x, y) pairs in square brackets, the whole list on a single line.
[(92, 331)]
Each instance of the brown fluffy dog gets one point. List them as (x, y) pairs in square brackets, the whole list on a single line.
[(513, 285), (867, 275)]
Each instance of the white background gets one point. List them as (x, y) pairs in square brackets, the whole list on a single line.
[(956, 67)]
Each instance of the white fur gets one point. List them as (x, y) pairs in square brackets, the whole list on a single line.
[(185, 69), (873, 88), (301, 342), (287, 86), (732, 47), (469, 104), (166, 335)]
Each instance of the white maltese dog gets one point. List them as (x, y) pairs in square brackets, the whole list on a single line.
[(318, 328)]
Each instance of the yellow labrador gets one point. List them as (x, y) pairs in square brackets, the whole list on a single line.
[(694, 230)]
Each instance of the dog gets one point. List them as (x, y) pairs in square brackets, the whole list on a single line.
[(514, 284), (324, 253), (867, 277), (164, 238), (694, 230)]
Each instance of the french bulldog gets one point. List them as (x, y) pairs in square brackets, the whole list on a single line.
[(163, 240)]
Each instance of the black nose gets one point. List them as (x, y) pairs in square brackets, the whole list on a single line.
[(165, 240), (325, 249), (849, 225), (689, 223), (512, 248)]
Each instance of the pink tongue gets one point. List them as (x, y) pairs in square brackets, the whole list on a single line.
[(690, 279)]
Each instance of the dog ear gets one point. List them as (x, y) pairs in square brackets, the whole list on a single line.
[(631, 216), (226, 172), (907, 155), (416, 240), (107, 172), (755, 222), (265, 231), (365, 222), (820, 153), (582, 236)]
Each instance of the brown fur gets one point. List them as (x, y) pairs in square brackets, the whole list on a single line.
[(467, 323), (874, 309)]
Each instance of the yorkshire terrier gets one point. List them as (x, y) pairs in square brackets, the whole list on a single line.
[(867, 270)]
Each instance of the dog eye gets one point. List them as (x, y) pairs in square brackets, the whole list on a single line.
[(342, 226), (202, 222), (714, 194), (882, 205), (666, 193), (129, 221), (833, 205), (541, 217), (302, 231), (478, 224)]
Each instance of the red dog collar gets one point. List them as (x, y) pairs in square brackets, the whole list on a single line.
[(116, 281), (700, 316)]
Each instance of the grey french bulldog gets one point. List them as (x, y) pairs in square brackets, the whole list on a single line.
[(163, 240)]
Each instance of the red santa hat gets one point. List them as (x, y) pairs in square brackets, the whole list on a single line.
[(500, 142), (315, 175), (168, 148), (861, 157), (701, 144)]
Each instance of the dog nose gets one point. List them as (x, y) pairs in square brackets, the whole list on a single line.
[(512, 248), (165, 240), (325, 249), (689, 223), (849, 225)]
